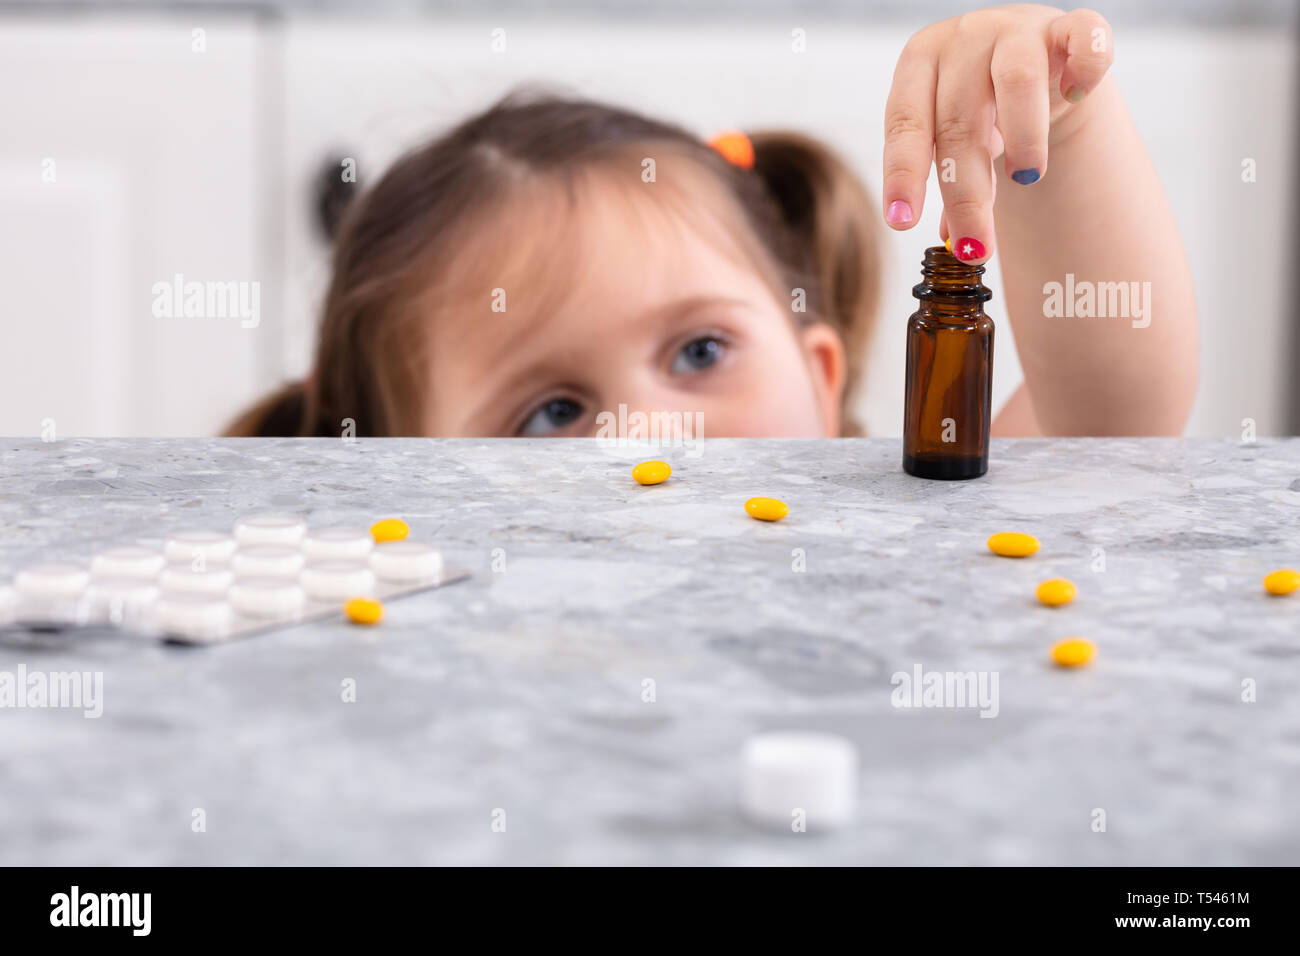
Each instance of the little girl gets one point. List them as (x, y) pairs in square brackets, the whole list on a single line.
[(552, 259)]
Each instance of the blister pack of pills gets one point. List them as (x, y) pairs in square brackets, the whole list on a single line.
[(205, 587)]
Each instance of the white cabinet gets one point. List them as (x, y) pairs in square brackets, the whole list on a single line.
[(127, 157)]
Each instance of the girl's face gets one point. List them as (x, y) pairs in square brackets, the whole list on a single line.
[(619, 300)]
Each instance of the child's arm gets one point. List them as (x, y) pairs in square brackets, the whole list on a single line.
[(1098, 213)]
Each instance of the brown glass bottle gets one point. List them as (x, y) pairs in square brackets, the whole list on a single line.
[(949, 372)]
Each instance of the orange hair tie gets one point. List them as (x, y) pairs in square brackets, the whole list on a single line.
[(735, 148)]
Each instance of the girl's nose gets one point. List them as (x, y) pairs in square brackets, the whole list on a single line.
[(650, 412)]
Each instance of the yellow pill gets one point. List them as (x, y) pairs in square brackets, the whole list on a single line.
[(1057, 591), (1010, 544), (1282, 582), (1073, 652), (363, 610), (390, 529), (651, 472), (766, 509)]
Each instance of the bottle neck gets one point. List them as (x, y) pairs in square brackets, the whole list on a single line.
[(949, 288)]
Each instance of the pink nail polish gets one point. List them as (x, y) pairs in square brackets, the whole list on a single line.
[(966, 249), (899, 213)]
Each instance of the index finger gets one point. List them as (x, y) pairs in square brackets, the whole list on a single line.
[(964, 121)]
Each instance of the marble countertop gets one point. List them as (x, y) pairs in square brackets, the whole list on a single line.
[(523, 689)]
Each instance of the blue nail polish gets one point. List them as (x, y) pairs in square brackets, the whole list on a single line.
[(1025, 176)]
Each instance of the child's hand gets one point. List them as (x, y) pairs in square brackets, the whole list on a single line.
[(965, 89)]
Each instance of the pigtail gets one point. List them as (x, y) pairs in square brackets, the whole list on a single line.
[(837, 238), (281, 414)]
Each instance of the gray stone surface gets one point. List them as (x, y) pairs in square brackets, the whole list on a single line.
[(521, 688)]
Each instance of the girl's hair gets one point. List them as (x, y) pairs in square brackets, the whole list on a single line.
[(811, 216)]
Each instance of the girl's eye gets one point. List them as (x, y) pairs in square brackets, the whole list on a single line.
[(697, 355), (552, 416)]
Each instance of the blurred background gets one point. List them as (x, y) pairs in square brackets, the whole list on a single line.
[(139, 141)]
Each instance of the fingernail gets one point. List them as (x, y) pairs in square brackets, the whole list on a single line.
[(1025, 176), (967, 249), (1075, 94), (899, 212)]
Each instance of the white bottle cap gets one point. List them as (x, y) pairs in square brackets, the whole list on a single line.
[(120, 601), (269, 529), (266, 561), (214, 579), (278, 598), (209, 545), (128, 562), (337, 544), (407, 561), (337, 580), (196, 616), (795, 770), (52, 580)]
